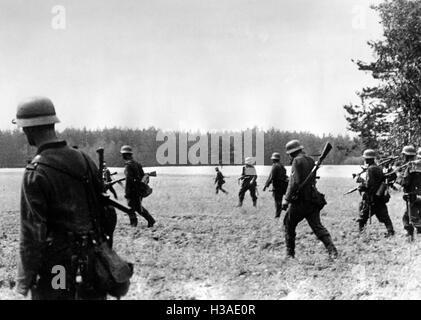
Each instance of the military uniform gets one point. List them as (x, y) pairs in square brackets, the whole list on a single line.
[(302, 207), (56, 213), (107, 179), (372, 203), (248, 183), (411, 183), (219, 180), (279, 180), (134, 175)]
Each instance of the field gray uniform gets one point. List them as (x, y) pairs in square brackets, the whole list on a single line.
[(248, 183), (302, 207), (134, 174), (55, 214), (371, 204), (279, 180), (411, 184)]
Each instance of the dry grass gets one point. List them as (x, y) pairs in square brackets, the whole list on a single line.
[(204, 248)]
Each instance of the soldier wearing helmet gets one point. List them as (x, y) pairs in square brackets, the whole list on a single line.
[(279, 180), (411, 183), (219, 181), (134, 182), (248, 182), (57, 211), (374, 195), (300, 205)]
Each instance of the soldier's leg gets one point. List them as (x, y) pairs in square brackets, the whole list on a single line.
[(241, 195), (382, 214), (292, 217), (407, 226), (217, 189), (278, 203), (111, 188), (364, 212), (145, 214), (222, 189), (321, 232), (253, 194)]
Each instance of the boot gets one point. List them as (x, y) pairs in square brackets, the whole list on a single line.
[(290, 253), (148, 217), (240, 204), (390, 231), (409, 236), (361, 226), (255, 203), (331, 249)]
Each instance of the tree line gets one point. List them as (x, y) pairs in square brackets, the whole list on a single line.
[(389, 113), (15, 152)]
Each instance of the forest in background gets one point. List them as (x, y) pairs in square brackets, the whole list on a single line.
[(15, 151)]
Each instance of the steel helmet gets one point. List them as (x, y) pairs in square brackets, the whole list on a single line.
[(249, 161), (126, 149), (409, 151), (369, 154), (293, 146), (276, 156), (35, 111)]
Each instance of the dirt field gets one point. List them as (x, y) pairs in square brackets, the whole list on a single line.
[(204, 248)]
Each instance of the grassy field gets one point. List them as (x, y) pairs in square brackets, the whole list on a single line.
[(204, 248)]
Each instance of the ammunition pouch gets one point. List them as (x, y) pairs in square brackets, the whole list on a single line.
[(144, 190), (318, 199)]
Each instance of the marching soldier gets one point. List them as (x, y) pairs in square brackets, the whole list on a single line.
[(61, 212), (107, 179), (411, 183), (219, 181), (374, 199), (133, 192), (300, 205), (279, 180), (248, 182)]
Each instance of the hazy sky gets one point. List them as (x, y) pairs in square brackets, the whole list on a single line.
[(187, 64)]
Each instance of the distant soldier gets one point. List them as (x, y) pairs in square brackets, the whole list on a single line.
[(135, 183), (219, 181), (374, 197), (248, 182), (106, 175), (300, 205), (61, 212), (279, 180), (411, 183)]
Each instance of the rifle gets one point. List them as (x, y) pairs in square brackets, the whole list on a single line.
[(382, 163), (312, 174), (104, 197)]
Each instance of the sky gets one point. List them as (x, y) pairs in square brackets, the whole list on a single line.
[(187, 64)]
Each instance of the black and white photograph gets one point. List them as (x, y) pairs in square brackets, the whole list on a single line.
[(222, 150)]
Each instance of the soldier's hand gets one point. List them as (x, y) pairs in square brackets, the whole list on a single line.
[(285, 205)]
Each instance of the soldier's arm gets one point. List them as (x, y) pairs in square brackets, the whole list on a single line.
[(270, 178), (33, 230), (294, 181)]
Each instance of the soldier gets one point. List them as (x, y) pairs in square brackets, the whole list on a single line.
[(248, 182), (107, 179), (219, 181), (61, 212), (374, 199), (134, 183), (411, 183), (300, 205), (279, 180)]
